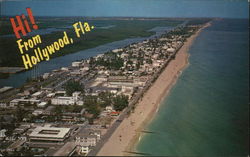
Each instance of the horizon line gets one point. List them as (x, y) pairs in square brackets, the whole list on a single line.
[(137, 17)]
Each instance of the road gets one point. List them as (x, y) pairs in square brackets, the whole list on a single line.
[(132, 103)]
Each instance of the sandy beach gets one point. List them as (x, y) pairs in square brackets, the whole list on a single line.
[(128, 133)]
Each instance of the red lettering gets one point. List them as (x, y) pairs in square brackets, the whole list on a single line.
[(18, 28)]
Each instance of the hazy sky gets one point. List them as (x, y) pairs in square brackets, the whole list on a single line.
[(134, 8)]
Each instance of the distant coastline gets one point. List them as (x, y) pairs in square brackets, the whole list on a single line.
[(125, 138)]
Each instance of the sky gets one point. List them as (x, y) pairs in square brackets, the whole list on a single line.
[(129, 8)]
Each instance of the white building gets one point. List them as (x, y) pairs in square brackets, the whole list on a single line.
[(101, 78), (84, 149), (156, 64), (76, 64), (84, 69), (50, 95), (141, 81), (42, 104), (109, 108), (14, 102), (45, 75), (172, 50), (65, 69), (48, 133), (116, 50), (2, 133), (128, 91), (3, 105), (37, 94), (114, 91), (37, 112), (88, 137), (63, 100), (76, 95), (89, 140), (62, 92), (4, 89), (24, 101)]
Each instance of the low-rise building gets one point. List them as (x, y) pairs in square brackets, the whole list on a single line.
[(109, 108), (141, 81), (88, 140), (116, 50), (2, 133), (88, 137), (63, 100), (24, 101), (5, 89), (42, 104), (3, 105), (65, 69), (21, 129), (45, 75), (37, 94), (83, 149), (119, 81), (49, 134), (171, 50), (101, 78), (38, 112), (76, 64)]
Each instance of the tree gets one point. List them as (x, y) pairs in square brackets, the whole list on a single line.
[(20, 113), (120, 102), (93, 109), (105, 98), (58, 111), (73, 86), (91, 105), (149, 61)]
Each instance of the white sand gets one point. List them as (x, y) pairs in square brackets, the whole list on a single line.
[(127, 134)]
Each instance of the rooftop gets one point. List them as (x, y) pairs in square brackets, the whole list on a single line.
[(5, 89), (49, 132)]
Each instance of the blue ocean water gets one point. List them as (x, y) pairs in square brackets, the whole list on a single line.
[(207, 112)]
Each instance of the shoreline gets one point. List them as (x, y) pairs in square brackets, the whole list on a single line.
[(126, 136)]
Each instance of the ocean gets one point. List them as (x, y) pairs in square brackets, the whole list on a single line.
[(206, 113)]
